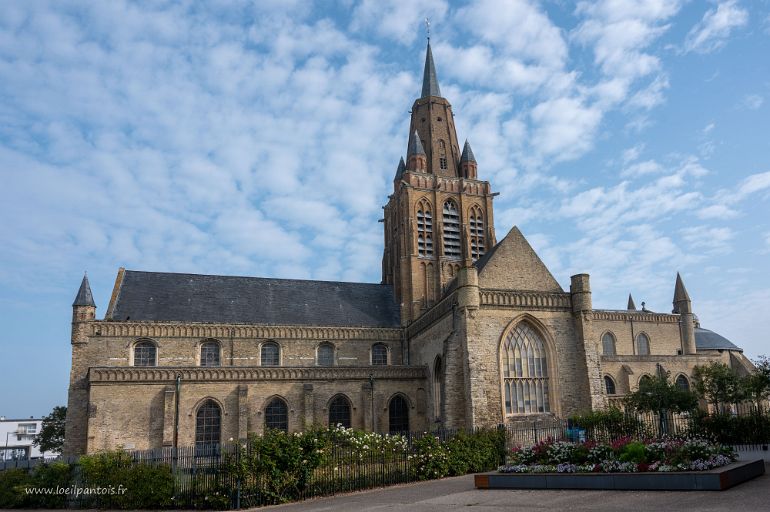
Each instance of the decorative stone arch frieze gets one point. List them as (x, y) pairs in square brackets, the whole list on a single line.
[(553, 388)]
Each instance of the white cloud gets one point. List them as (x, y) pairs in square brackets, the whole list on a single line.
[(564, 127), (753, 101), (708, 238), (712, 32), (641, 169), (395, 19)]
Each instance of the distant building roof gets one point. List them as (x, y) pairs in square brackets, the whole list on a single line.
[(709, 340), (167, 297)]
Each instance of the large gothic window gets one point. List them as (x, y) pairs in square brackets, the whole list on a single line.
[(608, 344), (209, 353), (478, 244), (208, 425), (339, 412), (451, 221), (270, 354), (398, 415), (424, 230), (277, 415), (642, 345), (525, 371), (145, 354)]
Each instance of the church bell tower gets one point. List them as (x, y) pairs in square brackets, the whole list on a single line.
[(439, 217)]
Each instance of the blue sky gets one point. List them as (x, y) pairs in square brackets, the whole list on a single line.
[(260, 138)]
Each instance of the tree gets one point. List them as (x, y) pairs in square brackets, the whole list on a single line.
[(51, 436), (659, 394), (718, 384), (757, 384)]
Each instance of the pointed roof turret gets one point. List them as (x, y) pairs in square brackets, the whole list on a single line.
[(631, 305), (401, 168), (415, 146), (84, 296), (467, 155), (429, 79), (680, 295)]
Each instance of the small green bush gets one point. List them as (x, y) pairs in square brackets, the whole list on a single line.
[(633, 452), (12, 484), (430, 459)]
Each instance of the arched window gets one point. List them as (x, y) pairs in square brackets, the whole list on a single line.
[(277, 415), (339, 412), (379, 354), (398, 415), (424, 230), (682, 383), (451, 221), (642, 345), (145, 354), (608, 344), (210, 353), (442, 162), (208, 425), (525, 371), (437, 371), (644, 381), (476, 221), (270, 354), (325, 354), (609, 385)]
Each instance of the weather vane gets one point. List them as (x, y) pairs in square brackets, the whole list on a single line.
[(427, 27)]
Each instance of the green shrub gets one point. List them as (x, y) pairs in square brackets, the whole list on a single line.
[(475, 452), (430, 459), (12, 484), (633, 452)]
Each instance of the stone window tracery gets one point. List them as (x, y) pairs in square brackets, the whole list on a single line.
[(451, 222), (379, 354), (398, 415), (339, 412), (326, 354), (525, 371)]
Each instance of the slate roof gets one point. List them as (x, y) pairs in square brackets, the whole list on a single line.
[(429, 79), (709, 340), (467, 155), (167, 297), (84, 296)]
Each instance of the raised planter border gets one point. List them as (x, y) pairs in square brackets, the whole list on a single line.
[(717, 479)]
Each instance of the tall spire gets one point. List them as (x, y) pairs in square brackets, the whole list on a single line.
[(429, 79), (680, 292), (84, 296), (467, 155), (401, 168), (631, 304)]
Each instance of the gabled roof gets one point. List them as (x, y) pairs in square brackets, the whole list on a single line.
[(84, 296), (512, 264), (709, 340), (429, 79), (167, 297)]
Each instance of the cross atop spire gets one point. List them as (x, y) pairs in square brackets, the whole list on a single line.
[(429, 79)]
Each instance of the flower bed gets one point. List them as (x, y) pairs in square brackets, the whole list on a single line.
[(624, 455)]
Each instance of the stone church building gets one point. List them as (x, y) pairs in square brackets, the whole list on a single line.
[(463, 331)]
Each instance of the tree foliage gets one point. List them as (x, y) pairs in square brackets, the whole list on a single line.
[(718, 384), (756, 385), (51, 436), (659, 394)]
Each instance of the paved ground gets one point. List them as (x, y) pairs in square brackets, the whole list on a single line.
[(459, 494)]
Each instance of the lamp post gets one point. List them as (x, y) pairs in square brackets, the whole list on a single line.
[(371, 397)]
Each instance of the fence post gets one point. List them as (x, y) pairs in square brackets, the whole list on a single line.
[(534, 431)]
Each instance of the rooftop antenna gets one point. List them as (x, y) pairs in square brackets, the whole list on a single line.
[(427, 28)]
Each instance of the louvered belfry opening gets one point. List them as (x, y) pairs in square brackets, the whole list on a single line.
[(451, 224)]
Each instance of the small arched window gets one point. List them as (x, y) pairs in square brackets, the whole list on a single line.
[(424, 230), (379, 354), (451, 221), (398, 415), (525, 371), (145, 354), (270, 354), (609, 385), (442, 154), (210, 353), (208, 425), (437, 372), (325, 354), (476, 222), (339, 412), (277, 415), (642, 345), (682, 383), (608, 344)]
